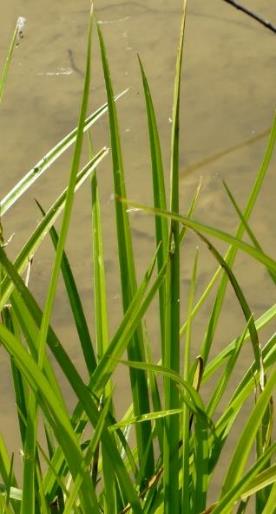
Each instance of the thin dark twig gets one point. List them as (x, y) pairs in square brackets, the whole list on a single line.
[(252, 14)]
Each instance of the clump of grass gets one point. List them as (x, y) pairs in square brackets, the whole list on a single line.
[(178, 437)]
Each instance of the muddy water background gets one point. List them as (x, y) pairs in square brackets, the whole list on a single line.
[(228, 100)]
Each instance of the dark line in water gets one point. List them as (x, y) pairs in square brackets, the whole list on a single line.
[(73, 65), (146, 9), (139, 234), (142, 7), (218, 155)]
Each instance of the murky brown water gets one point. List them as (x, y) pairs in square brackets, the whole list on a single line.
[(228, 104)]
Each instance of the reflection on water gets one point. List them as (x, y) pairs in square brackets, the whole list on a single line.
[(228, 104)]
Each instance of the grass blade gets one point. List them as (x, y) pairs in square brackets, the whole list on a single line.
[(28, 504), (32, 333), (248, 435), (43, 164), (76, 305), (159, 193), (87, 458), (226, 502), (18, 381), (193, 399), (68, 203), (102, 329), (246, 226), (245, 308), (201, 465), (171, 353), (265, 478), (29, 313), (44, 226), (155, 394), (219, 359), (246, 387), (185, 496), (7, 475), (125, 331), (62, 426), (99, 273), (127, 269), (145, 417), (222, 383), (201, 228), (18, 32), (270, 505), (231, 254)]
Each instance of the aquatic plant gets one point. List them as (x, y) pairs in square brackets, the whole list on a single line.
[(89, 463)]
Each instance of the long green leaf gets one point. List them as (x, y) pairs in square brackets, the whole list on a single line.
[(219, 359), (55, 413), (100, 300), (18, 382), (231, 253), (33, 331), (68, 204), (145, 417), (249, 231), (29, 314), (270, 505), (28, 504), (201, 228), (229, 368), (7, 475), (171, 350), (76, 304), (226, 420), (244, 305), (101, 321), (43, 164), (195, 403), (227, 501), (201, 463), (248, 435), (185, 494), (5, 71), (45, 224), (159, 193), (126, 329), (265, 478), (127, 269), (87, 458)]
